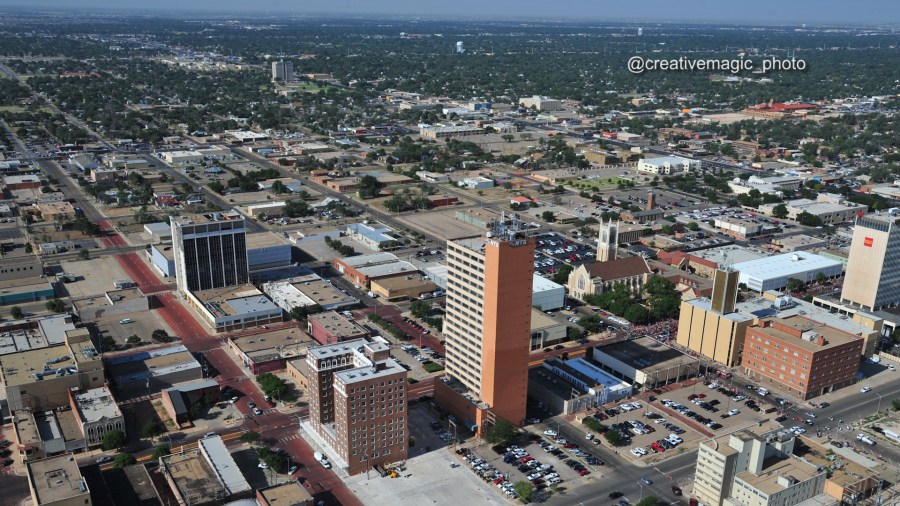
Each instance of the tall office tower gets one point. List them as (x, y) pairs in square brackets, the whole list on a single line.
[(725, 288), (487, 327), (651, 200), (358, 403), (210, 251), (609, 241), (872, 280), (283, 70), (640, 32), (459, 47)]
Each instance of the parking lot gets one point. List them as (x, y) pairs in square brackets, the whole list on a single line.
[(553, 251), (548, 461)]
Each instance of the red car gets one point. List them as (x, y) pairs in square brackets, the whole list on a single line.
[(701, 396), (526, 459), (658, 447), (569, 445), (583, 472)]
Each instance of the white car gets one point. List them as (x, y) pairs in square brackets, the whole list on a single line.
[(738, 398), (262, 465), (551, 433), (865, 390), (636, 405), (891, 368), (636, 453), (733, 412)]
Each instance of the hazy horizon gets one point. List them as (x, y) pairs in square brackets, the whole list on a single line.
[(829, 12)]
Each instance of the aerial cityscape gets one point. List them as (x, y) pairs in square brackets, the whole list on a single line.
[(365, 254)]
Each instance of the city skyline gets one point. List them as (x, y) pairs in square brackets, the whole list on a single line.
[(830, 12)]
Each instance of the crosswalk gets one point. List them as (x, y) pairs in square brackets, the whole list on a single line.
[(289, 438)]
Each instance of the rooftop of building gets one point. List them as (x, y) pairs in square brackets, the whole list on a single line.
[(125, 295), (540, 320), (274, 343), (775, 469), (136, 366), (344, 348), (588, 372), (337, 324), (224, 466), (361, 261), (371, 231), (785, 264), (56, 479), (733, 253), (285, 494), (321, 291), (234, 300), (843, 471), (194, 478), (20, 368), (542, 284), (26, 427), (778, 305), (647, 354), (199, 219), (794, 241), (404, 282), (370, 371), (706, 305), (833, 337), (665, 159), (96, 404), (618, 268), (264, 240)]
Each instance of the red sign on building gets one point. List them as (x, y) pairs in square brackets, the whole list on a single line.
[(868, 242)]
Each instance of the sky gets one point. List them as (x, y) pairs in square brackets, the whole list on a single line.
[(836, 12)]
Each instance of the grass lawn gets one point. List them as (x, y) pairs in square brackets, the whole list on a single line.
[(595, 184)]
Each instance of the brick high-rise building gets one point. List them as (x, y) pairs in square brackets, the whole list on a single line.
[(487, 327), (358, 403)]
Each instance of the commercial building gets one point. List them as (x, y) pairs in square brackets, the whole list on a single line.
[(373, 236), (283, 71), (588, 378), (799, 242), (22, 335), (41, 434), (487, 327), (873, 268), (541, 103), (668, 165), (402, 288), (755, 467), (96, 412), (291, 493), (546, 331), (147, 372), (706, 262), (182, 157), (53, 211), (234, 308), (600, 277), (435, 132), (205, 475), (644, 362), (307, 290), (268, 352), (266, 250), (24, 182), (210, 251), (476, 183), (801, 357), (40, 379), (546, 294), (268, 211), (362, 269), (773, 272), (178, 400), (332, 327), (57, 481), (712, 334), (358, 403), (738, 228)]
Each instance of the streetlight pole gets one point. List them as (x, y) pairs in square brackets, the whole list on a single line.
[(642, 491), (878, 410)]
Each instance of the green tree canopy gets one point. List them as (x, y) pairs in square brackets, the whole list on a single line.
[(502, 432), (114, 439), (125, 459), (160, 451), (152, 429), (524, 491)]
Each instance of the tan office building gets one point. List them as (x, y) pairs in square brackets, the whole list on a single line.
[(872, 280), (57, 481), (487, 328)]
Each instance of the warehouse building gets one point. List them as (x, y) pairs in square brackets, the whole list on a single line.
[(546, 294), (362, 269), (234, 308), (332, 327), (773, 272)]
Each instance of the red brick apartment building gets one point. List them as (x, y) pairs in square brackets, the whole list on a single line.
[(800, 357)]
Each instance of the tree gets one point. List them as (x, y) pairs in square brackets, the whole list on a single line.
[(114, 439), (296, 208), (107, 343), (562, 275), (125, 459), (636, 313), (809, 220), (794, 284), (501, 433), (591, 423), (28, 248), (613, 437), (590, 323), (160, 451), (301, 313), (56, 305), (649, 501), (780, 211), (420, 309), (84, 254), (525, 491), (821, 278), (216, 186), (367, 187), (272, 385), (548, 216), (508, 137), (693, 226), (278, 187), (152, 429), (250, 437), (160, 335), (16, 312)]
